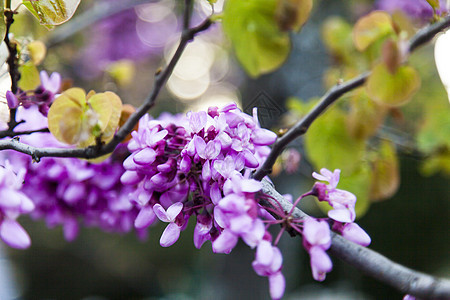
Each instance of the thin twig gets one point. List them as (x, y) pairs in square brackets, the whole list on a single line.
[(12, 133), (12, 63), (422, 37), (368, 261)]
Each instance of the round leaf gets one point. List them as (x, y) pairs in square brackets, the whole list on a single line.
[(292, 14), (65, 116), (37, 51), (259, 44), (365, 116), (371, 28), (328, 144), (385, 173), (29, 76), (52, 12), (116, 106), (392, 89)]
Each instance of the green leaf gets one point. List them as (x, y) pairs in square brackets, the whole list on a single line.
[(52, 12), (336, 34), (435, 130), (371, 28), (259, 44), (392, 89), (292, 14), (29, 79), (385, 173), (329, 145), (365, 116)]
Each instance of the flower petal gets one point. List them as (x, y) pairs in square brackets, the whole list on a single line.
[(353, 232), (277, 285), (145, 217), (145, 156), (225, 242), (170, 235), (174, 210), (160, 212), (14, 235)]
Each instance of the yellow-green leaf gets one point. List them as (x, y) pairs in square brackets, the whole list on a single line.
[(328, 144), (101, 105), (434, 133), (65, 116), (37, 51), (29, 79), (336, 34), (385, 173), (52, 12), (392, 89), (107, 106), (365, 116), (292, 14), (259, 44), (116, 110), (371, 28)]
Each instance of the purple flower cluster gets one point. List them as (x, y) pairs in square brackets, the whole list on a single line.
[(13, 203), (70, 191), (416, 9), (199, 165), (42, 96)]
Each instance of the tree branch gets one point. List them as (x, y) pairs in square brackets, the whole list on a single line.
[(368, 261), (422, 36)]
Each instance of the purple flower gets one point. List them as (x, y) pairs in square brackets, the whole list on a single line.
[(51, 84), (13, 203), (268, 263), (316, 240), (172, 231), (202, 230), (343, 202), (12, 100), (352, 232), (42, 96)]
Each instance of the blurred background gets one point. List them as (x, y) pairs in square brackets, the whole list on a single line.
[(118, 46)]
